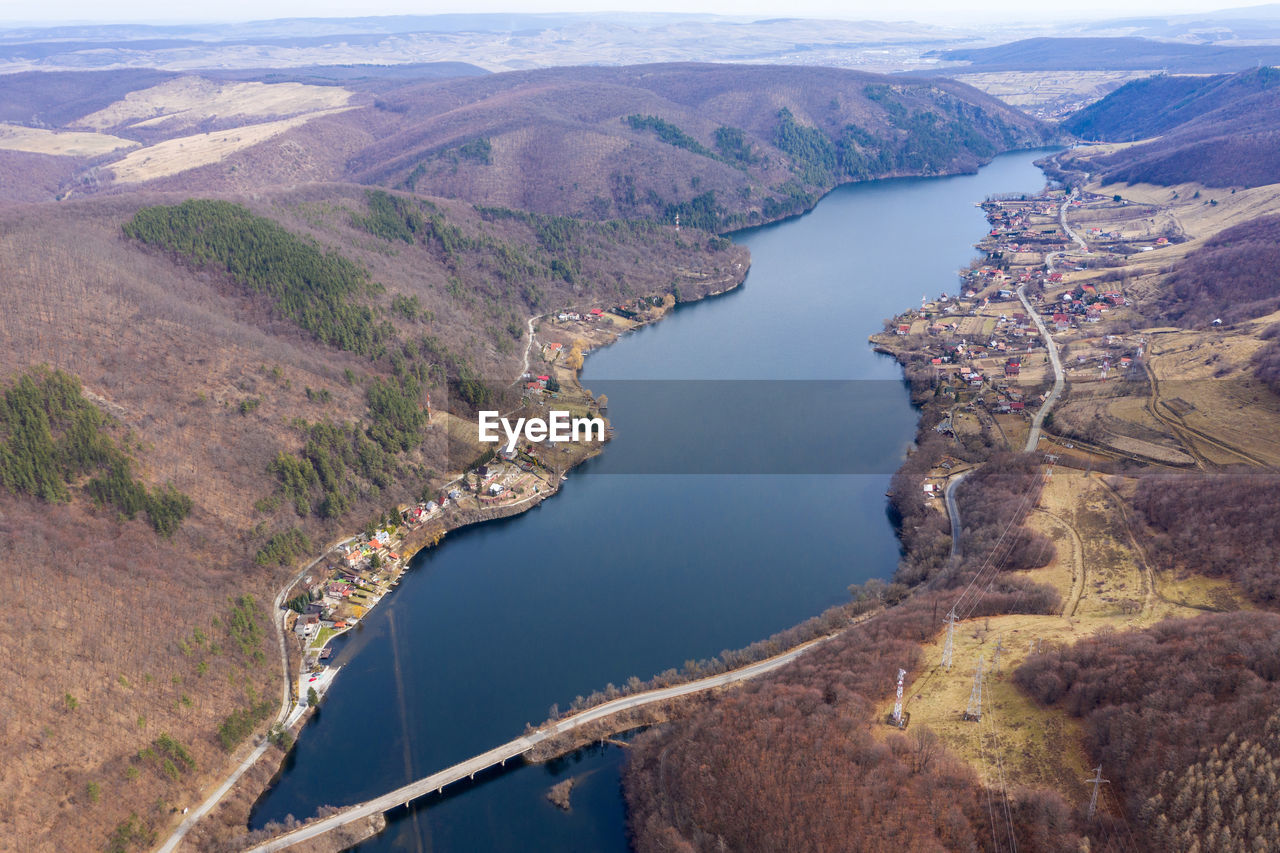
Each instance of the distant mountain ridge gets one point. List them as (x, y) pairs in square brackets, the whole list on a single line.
[(1155, 105), (1112, 54)]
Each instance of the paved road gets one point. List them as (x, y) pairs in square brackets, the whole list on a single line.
[(1062, 220), (1034, 438), (502, 754), (288, 714), (953, 513)]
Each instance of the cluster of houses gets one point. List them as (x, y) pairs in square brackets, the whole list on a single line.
[(538, 383), (357, 577), (1013, 229), (594, 315), (1014, 333), (1084, 304)]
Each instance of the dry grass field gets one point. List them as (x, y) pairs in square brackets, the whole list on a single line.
[(60, 143), (1199, 211), (184, 153), (187, 102), (1104, 587), (1049, 94)]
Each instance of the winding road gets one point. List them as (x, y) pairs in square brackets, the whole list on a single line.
[(288, 714), (953, 513), (1038, 421), (500, 755)]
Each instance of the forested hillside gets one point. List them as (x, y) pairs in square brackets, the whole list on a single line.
[(231, 384), (795, 763), (720, 145), (1154, 105), (1230, 278), (52, 438), (1176, 722), (1218, 131), (1208, 525), (320, 291)]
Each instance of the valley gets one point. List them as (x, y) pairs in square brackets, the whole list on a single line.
[(261, 295)]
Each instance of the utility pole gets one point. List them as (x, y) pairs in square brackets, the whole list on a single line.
[(995, 664), (1097, 781), (949, 645), (974, 712)]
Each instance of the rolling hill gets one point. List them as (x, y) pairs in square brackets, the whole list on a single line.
[(1156, 105), (1217, 131), (722, 146), (725, 145)]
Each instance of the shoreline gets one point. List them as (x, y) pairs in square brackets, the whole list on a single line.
[(982, 164), (424, 536), (921, 429), (293, 716), (508, 511)]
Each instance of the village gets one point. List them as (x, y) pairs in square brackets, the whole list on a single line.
[(981, 353), (340, 588)]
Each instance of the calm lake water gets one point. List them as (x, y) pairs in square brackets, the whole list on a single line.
[(623, 574)]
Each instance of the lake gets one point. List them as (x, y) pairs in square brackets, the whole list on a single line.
[(775, 429)]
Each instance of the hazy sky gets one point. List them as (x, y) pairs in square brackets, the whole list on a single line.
[(929, 11)]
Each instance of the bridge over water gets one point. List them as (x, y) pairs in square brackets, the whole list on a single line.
[(499, 756)]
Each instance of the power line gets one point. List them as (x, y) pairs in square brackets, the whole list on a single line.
[(991, 810), (1129, 841), (996, 564), (991, 561), (949, 646), (1004, 789), (974, 711)]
